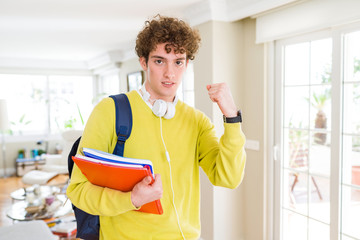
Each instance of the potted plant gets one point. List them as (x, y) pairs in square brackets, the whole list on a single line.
[(319, 101)]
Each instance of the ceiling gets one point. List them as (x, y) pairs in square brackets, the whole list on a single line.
[(81, 30)]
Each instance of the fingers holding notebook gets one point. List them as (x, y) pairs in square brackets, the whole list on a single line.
[(147, 191)]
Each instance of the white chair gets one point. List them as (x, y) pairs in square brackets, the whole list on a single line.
[(32, 230), (58, 162), (38, 177), (54, 163)]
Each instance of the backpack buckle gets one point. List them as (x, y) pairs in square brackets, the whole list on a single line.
[(121, 139)]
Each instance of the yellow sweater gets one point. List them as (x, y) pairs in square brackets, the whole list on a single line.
[(191, 142)]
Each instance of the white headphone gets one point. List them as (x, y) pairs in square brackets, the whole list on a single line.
[(160, 107), (166, 110)]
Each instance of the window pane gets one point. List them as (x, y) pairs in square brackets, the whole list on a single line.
[(344, 237), (351, 138), (186, 91), (188, 78), (296, 151), (295, 192), (351, 211), (307, 136), (352, 108), (320, 153), (351, 160), (352, 57), (297, 64), (110, 85), (319, 206), (321, 108), (321, 57), (70, 102), (318, 230), (27, 102), (296, 107), (294, 226), (189, 98)]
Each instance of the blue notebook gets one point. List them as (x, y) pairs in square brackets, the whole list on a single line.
[(112, 158)]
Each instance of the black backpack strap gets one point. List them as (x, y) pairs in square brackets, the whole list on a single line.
[(123, 121), (72, 152)]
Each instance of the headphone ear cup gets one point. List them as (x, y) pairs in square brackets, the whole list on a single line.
[(170, 113), (159, 108)]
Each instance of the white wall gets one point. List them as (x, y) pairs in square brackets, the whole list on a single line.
[(127, 67), (228, 67), (254, 128), (14, 144), (304, 17), (203, 75), (229, 54)]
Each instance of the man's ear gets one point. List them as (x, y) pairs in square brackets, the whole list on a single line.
[(187, 62), (143, 63)]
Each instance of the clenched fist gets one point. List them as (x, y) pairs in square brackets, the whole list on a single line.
[(220, 93)]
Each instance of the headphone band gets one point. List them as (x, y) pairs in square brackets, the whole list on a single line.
[(159, 107), (146, 95)]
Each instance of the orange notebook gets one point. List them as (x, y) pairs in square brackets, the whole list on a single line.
[(117, 176)]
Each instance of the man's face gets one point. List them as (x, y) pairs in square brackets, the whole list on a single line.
[(164, 72)]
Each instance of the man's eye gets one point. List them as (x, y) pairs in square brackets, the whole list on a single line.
[(158, 61), (179, 63)]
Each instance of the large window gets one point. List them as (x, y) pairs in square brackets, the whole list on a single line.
[(46, 104), (351, 138), (319, 106), (186, 90)]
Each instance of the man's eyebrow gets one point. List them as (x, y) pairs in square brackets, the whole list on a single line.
[(160, 57), (155, 56)]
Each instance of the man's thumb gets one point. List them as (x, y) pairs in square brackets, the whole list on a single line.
[(147, 180)]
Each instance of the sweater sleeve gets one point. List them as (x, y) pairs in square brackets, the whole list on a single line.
[(99, 134), (223, 161)]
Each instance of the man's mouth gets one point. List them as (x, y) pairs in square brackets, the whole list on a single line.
[(168, 84)]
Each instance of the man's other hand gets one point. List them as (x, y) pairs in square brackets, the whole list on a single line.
[(145, 191)]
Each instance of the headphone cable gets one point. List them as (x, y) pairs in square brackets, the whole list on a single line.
[(171, 184)]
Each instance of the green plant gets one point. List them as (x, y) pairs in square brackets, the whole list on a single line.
[(22, 122), (80, 115), (319, 100), (98, 97), (356, 65), (69, 124), (357, 85), (326, 74), (356, 93), (38, 95)]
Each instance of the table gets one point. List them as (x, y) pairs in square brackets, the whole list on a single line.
[(44, 191), (17, 210)]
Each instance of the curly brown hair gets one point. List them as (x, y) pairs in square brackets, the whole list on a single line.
[(177, 33)]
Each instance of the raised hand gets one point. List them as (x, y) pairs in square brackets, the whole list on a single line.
[(220, 93)]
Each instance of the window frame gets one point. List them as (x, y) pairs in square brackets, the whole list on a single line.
[(275, 61)]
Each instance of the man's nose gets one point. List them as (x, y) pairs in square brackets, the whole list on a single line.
[(170, 72)]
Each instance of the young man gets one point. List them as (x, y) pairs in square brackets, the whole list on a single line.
[(177, 144)]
